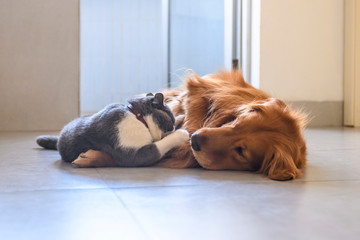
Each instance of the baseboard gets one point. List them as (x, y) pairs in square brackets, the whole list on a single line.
[(322, 114)]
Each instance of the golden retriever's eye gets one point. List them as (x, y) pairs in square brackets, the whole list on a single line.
[(239, 150), (226, 121), (255, 109)]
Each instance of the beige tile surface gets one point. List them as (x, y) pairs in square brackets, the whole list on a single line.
[(66, 214), (273, 210), (42, 197)]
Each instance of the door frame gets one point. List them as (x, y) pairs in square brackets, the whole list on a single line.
[(352, 63)]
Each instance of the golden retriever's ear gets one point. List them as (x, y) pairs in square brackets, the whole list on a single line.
[(280, 166), (195, 84)]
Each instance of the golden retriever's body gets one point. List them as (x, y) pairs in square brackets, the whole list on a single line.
[(236, 126), (233, 126)]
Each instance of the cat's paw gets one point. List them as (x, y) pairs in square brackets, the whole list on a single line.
[(175, 139), (181, 135)]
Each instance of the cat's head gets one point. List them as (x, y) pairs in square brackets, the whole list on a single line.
[(156, 113)]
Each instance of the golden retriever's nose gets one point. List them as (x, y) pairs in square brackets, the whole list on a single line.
[(196, 141)]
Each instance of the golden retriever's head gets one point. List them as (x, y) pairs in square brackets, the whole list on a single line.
[(263, 135)]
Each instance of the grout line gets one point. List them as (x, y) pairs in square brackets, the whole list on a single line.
[(132, 215)]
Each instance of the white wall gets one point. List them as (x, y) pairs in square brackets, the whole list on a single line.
[(301, 49), (39, 64)]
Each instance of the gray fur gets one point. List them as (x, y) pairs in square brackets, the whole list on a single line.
[(99, 132), (49, 142)]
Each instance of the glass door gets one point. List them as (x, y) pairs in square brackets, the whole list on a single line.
[(196, 37), (122, 51), (139, 46)]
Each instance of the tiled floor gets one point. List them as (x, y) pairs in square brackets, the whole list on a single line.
[(43, 198)]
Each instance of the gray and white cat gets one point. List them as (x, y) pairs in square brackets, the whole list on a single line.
[(136, 135)]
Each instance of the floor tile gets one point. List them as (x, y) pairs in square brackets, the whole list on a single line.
[(26, 167), (332, 165), (53, 175), (277, 210), (41, 197), (152, 176), (332, 138), (66, 214)]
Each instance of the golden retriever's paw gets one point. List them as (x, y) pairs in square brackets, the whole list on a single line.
[(94, 158), (179, 121), (82, 161)]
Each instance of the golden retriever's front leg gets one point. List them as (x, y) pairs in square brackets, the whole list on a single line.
[(93, 158), (179, 121)]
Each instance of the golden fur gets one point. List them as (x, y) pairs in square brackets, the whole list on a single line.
[(236, 126)]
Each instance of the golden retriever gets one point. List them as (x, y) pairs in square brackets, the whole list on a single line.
[(233, 126), (236, 126)]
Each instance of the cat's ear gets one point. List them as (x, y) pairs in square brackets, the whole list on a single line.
[(158, 99), (149, 94)]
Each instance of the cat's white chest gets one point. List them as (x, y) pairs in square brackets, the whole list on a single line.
[(132, 133)]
